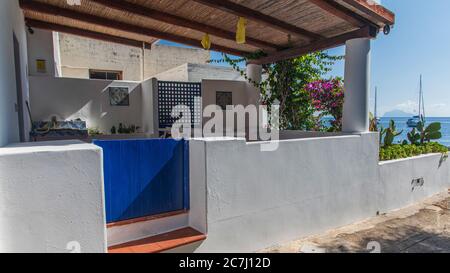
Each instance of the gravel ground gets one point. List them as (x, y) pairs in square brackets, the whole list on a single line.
[(422, 228)]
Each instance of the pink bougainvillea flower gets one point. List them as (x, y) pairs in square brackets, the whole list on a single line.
[(327, 96)]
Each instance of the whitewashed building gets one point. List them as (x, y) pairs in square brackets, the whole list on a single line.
[(207, 194)]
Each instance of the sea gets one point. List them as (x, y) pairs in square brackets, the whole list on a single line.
[(400, 123)]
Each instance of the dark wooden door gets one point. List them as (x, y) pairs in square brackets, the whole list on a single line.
[(19, 107)]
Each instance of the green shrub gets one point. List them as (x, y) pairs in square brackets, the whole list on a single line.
[(94, 132), (409, 150)]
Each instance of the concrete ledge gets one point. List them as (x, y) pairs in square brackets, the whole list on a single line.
[(47, 146), (248, 199), (397, 188), (152, 227), (52, 198)]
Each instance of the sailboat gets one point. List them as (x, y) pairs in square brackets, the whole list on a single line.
[(414, 121)]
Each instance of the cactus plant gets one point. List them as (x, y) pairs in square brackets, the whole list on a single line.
[(432, 132), (373, 123), (426, 134), (390, 134), (382, 133), (414, 137)]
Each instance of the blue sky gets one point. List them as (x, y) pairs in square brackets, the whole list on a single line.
[(418, 44)]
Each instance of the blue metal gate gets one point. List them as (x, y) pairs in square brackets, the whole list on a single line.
[(144, 177)]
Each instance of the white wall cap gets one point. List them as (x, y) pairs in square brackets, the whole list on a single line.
[(48, 146), (219, 139)]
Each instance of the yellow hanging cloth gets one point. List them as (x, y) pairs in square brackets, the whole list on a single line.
[(206, 42), (240, 33)]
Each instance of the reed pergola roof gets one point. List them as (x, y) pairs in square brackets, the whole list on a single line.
[(281, 29)]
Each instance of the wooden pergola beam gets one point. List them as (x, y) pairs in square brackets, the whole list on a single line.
[(259, 17), (109, 23), (374, 10), (339, 11), (85, 33), (181, 22), (366, 32)]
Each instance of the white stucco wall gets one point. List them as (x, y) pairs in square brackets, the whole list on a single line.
[(198, 216), (256, 199), (247, 200), (76, 55), (294, 134), (176, 74), (211, 87), (11, 21), (79, 54), (149, 107), (40, 47), (86, 99), (51, 194), (197, 72), (397, 190), (162, 58)]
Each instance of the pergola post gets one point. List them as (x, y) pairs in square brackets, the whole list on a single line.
[(357, 86), (254, 73)]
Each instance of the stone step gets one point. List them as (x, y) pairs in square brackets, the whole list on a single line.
[(161, 243), (135, 229)]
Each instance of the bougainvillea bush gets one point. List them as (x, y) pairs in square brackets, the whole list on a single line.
[(284, 84), (327, 97)]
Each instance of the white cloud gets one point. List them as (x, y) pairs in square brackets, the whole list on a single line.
[(431, 110), (408, 106), (437, 110)]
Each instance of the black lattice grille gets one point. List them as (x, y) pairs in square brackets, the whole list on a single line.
[(171, 94)]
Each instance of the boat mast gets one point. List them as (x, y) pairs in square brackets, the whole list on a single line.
[(376, 102), (420, 98), (423, 100)]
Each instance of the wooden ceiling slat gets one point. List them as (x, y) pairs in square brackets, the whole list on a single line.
[(85, 33), (108, 23), (337, 10), (366, 32), (86, 26), (374, 10), (259, 17), (331, 22), (181, 22)]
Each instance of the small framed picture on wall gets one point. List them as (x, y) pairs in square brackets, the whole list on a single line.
[(119, 96)]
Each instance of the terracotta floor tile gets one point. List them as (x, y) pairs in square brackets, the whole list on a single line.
[(161, 242), (147, 248), (122, 250)]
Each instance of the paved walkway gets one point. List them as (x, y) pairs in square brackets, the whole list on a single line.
[(422, 228)]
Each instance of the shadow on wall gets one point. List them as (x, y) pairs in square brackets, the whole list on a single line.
[(158, 196), (88, 100)]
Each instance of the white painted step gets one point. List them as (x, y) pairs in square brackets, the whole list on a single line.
[(136, 229)]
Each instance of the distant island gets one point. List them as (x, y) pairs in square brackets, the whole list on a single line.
[(397, 114)]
